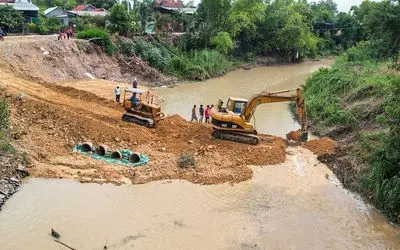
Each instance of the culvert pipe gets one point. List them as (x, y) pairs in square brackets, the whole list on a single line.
[(134, 158), (116, 155), (87, 147), (101, 150)]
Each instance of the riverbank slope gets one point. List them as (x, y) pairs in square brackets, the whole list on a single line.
[(356, 102)]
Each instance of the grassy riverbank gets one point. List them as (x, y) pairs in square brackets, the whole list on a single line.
[(357, 101)]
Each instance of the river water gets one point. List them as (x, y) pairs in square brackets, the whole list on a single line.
[(273, 118), (296, 205)]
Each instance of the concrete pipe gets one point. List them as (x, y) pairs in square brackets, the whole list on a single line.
[(134, 158), (101, 150), (116, 155), (87, 147)]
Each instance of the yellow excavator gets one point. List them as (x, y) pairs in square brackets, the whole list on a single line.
[(233, 121)]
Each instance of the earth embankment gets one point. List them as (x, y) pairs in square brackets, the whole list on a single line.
[(49, 119), (44, 58)]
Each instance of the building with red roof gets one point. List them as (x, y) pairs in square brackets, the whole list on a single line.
[(170, 4)]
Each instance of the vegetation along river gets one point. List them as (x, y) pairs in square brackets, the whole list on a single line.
[(298, 204)]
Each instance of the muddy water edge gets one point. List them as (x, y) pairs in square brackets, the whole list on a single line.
[(297, 204)]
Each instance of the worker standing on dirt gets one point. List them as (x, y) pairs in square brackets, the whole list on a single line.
[(194, 116), (207, 114), (117, 92), (135, 83), (69, 33), (201, 113)]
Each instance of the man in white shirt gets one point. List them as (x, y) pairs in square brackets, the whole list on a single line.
[(117, 92)]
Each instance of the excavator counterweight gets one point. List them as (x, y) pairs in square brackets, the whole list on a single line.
[(233, 121)]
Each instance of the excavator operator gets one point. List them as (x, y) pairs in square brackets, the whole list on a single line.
[(134, 100)]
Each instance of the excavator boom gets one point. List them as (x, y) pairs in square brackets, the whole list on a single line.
[(271, 97)]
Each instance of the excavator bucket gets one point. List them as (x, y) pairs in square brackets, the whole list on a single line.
[(299, 135)]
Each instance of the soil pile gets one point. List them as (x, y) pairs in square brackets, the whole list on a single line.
[(45, 59), (294, 135), (322, 146), (50, 119)]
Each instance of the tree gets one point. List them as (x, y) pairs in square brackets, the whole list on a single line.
[(349, 30), (215, 13), (244, 18), (286, 31), (121, 21), (245, 15), (381, 20), (222, 42), (10, 19)]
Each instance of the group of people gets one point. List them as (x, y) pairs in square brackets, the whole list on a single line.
[(66, 34), (203, 113)]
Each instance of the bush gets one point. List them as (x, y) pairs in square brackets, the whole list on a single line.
[(157, 56), (195, 66), (384, 177), (369, 50), (199, 65), (222, 43), (31, 27), (101, 37)]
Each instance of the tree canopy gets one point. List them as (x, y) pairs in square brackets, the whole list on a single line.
[(10, 19)]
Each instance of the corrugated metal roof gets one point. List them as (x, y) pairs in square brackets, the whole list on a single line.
[(88, 13), (50, 10), (184, 10), (22, 6)]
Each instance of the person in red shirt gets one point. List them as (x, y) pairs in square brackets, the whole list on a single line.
[(207, 114), (135, 83)]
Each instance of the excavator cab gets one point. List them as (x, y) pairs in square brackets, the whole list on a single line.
[(235, 105)]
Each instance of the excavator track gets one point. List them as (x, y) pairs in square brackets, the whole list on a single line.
[(138, 120), (237, 137)]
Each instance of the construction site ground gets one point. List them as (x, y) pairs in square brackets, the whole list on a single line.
[(49, 117)]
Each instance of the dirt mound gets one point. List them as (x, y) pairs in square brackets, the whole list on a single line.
[(321, 146), (43, 58), (135, 65), (294, 135), (50, 119)]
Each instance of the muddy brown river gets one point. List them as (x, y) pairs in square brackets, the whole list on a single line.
[(295, 205)]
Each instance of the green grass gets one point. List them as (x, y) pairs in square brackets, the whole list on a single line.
[(5, 145), (101, 37), (197, 65), (362, 90)]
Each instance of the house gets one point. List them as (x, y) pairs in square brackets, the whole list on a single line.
[(88, 10), (29, 10), (172, 4), (60, 13), (168, 6)]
